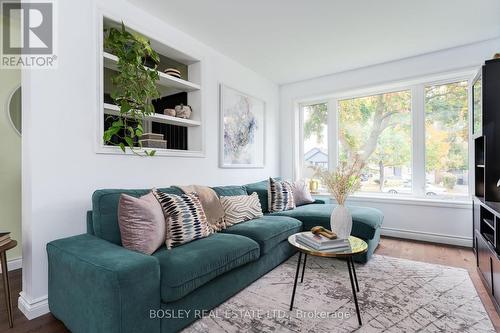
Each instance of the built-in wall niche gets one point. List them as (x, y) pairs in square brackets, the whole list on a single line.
[(184, 136)]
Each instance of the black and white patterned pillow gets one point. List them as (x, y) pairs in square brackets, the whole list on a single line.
[(184, 217), (241, 208), (280, 196)]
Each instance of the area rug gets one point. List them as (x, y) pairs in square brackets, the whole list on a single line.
[(396, 295)]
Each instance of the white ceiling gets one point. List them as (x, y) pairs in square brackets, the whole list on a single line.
[(292, 40)]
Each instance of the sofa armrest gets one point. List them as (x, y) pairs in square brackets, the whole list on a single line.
[(97, 286), (319, 201)]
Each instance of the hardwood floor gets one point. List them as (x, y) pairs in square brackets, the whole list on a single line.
[(43, 324), (413, 250)]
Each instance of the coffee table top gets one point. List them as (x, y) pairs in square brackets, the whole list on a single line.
[(358, 246)]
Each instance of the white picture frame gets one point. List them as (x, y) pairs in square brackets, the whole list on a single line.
[(241, 129)]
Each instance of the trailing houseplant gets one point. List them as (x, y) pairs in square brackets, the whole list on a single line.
[(134, 87), (342, 182)]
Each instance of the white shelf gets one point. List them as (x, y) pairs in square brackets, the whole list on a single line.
[(104, 149), (111, 62), (114, 110)]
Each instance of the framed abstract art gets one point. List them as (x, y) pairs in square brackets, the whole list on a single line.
[(242, 129)]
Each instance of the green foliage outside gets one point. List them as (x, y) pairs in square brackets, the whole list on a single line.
[(446, 119), (449, 180)]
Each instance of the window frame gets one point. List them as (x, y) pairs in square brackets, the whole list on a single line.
[(417, 91)]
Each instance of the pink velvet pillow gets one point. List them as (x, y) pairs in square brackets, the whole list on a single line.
[(142, 224)]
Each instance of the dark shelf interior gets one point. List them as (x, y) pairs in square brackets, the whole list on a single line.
[(489, 222), (176, 136)]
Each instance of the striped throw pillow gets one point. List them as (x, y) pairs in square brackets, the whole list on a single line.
[(184, 218), (241, 208), (280, 196)]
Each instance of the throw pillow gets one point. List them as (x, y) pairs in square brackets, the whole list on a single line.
[(301, 194), (280, 196), (141, 222), (241, 208), (184, 217)]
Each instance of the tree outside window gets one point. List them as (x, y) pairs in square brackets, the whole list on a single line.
[(446, 139), (378, 129)]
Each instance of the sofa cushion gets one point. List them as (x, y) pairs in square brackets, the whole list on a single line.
[(187, 267), (105, 211), (365, 220), (261, 189), (268, 231), (229, 191)]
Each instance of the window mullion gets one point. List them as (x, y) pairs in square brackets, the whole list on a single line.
[(418, 138), (298, 172), (332, 134)]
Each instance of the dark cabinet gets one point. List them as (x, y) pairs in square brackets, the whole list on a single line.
[(476, 215), (486, 209), (484, 262), (496, 280)]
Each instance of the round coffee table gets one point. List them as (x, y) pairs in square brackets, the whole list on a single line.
[(358, 246)]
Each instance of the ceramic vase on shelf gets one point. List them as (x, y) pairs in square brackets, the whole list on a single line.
[(341, 222)]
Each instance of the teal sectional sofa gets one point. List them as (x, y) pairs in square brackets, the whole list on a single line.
[(96, 285)]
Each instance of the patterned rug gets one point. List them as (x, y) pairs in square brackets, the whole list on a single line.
[(396, 295)]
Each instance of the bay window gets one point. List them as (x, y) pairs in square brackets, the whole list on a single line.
[(413, 139)]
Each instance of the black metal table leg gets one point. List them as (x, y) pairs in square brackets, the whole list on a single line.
[(354, 273), (349, 263), (303, 268), (295, 282)]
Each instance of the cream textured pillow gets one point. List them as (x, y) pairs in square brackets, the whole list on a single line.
[(141, 222), (241, 208), (301, 194)]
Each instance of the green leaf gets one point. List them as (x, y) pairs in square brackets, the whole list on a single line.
[(122, 147), (125, 107), (129, 142), (118, 123)]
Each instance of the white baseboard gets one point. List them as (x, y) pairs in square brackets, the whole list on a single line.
[(14, 264), (33, 308), (428, 236)]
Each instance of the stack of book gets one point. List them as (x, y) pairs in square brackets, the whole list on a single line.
[(322, 243), (4, 237)]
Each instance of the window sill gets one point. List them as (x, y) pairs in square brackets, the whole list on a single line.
[(465, 203)]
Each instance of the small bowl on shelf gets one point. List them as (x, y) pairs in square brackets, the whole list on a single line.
[(173, 72)]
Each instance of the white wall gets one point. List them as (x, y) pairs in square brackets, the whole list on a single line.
[(60, 166), (10, 162), (424, 220)]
